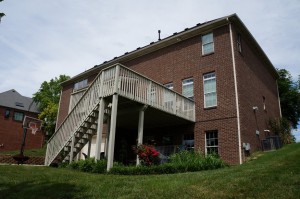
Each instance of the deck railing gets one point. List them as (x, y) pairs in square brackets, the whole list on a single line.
[(130, 85)]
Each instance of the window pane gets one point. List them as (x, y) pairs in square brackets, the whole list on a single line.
[(18, 116), (188, 88), (169, 86), (210, 99), (208, 38), (210, 90), (208, 48), (212, 142), (207, 43)]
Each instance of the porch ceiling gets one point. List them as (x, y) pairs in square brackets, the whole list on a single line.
[(128, 115)]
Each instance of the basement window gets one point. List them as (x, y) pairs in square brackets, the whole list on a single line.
[(212, 143)]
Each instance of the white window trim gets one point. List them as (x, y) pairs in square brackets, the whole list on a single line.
[(203, 44), (208, 93)]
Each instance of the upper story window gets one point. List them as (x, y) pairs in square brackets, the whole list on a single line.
[(188, 88), (169, 86), (18, 116), (81, 84), (239, 42), (6, 113), (210, 90), (207, 43)]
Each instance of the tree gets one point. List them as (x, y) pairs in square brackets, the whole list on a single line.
[(1, 14), (282, 127), (289, 97), (47, 99)]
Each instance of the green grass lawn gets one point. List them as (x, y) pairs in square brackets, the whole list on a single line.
[(272, 175)]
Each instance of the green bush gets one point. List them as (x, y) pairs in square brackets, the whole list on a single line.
[(185, 161), (89, 165)]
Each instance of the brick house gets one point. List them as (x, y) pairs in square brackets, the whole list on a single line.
[(210, 87), (13, 108)]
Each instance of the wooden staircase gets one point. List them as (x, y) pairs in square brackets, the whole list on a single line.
[(81, 123)]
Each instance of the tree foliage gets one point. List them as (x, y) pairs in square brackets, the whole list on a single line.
[(282, 127), (1, 14), (47, 99), (289, 97)]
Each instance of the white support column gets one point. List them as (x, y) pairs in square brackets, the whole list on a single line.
[(107, 136), (89, 148), (72, 149), (112, 134), (141, 129), (100, 129)]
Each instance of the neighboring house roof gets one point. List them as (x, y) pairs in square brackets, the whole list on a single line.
[(187, 33), (13, 99)]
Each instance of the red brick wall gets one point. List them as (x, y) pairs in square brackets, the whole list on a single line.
[(254, 81), (11, 133), (184, 60)]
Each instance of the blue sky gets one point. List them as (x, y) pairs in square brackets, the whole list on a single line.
[(40, 40)]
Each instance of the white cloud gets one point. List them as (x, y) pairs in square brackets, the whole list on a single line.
[(42, 39)]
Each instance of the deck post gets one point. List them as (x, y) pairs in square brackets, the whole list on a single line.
[(141, 129), (100, 129), (112, 134), (89, 148), (72, 149), (107, 136)]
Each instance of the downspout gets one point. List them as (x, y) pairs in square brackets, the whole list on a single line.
[(278, 99), (236, 94)]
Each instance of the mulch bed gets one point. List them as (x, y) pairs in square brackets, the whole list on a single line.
[(8, 159)]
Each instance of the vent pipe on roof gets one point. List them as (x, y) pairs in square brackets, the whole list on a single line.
[(159, 35)]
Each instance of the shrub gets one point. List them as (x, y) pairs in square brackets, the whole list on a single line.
[(184, 161), (89, 165), (147, 154)]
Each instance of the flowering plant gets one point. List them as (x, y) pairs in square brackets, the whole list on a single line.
[(147, 154)]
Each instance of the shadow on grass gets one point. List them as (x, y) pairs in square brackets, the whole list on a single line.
[(30, 189)]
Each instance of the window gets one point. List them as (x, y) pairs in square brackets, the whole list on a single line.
[(207, 44), (188, 88), (169, 86), (239, 42), (6, 113), (212, 142), (188, 141), (210, 91), (19, 104), (80, 84), (18, 116)]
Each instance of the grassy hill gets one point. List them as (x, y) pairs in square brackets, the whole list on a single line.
[(272, 175)]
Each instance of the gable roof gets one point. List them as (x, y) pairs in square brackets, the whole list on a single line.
[(187, 33), (13, 99)]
